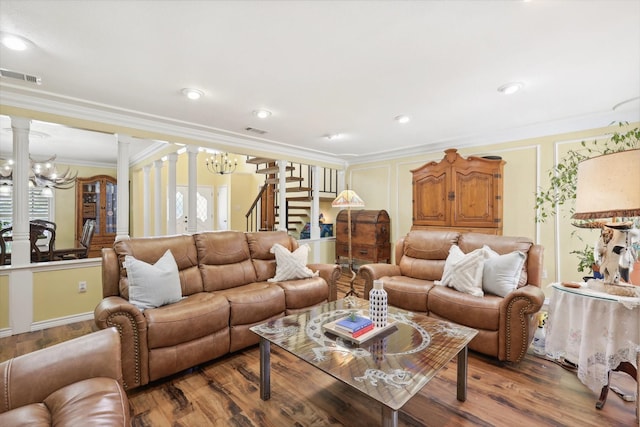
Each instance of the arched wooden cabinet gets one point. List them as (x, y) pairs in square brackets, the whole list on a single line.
[(96, 198), (459, 194)]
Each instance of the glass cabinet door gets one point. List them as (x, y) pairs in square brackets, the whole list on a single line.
[(91, 201), (111, 203)]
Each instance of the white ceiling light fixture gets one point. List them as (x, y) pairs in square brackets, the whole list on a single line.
[(402, 119), (510, 88), (192, 94), (262, 114), (333, 136), (15, 42)]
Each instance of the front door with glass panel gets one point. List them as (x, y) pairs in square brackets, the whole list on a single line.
[(204, 208)]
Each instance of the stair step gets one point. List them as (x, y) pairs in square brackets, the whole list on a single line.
[(293, 221), (258, 160), (300, 199), (274, 169), (296, 207), (288, 179), (297, 189)]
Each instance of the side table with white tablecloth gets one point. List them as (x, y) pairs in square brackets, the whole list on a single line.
[(597, 331)]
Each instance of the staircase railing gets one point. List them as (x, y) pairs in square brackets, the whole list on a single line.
[(252, 217), (327, 182)]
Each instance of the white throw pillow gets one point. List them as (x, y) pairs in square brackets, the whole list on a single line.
[(502, 272), (152, 286), (463, 272), (291, 265)]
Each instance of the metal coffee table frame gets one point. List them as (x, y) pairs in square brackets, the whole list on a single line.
[(421, 345)]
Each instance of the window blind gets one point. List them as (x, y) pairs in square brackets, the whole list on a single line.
[(39, 206)]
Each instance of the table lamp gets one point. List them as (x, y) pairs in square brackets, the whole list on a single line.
[(608, 186), (349, 199)]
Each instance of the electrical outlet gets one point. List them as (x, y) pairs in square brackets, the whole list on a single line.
[(82, 286), (544, 273)]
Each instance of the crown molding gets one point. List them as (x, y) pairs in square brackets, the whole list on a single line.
[(46, 102), (571, 124), (41, 101)]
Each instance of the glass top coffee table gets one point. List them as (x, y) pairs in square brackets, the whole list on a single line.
[(389, 368)]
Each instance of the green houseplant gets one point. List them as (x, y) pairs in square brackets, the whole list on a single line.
[(563, 178)]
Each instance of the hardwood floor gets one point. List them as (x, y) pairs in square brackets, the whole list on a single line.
[(225, 392)]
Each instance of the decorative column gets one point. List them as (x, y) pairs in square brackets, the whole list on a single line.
[(157, 206), (282, 196), (122, 208), (146, 199), (20, 280), (315, 204), (20, 247), (192, 224), (172, 159)]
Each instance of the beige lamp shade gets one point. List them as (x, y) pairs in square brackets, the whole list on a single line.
[(609, 186), (348, 199)]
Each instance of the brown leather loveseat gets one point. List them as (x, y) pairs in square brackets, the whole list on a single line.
[(505, 324), (225, 290), (74, 383)]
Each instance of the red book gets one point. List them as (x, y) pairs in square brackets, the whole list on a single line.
[(362, 331)]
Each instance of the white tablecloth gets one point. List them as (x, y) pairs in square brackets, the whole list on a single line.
[(593, 329)]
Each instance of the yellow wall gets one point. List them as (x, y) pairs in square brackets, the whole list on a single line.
[(4, 301), (55, 292), (243, 191), (382, 185), (387, 185)]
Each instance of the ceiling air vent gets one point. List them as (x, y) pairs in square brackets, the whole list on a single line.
[(20, 76), (255, 130)]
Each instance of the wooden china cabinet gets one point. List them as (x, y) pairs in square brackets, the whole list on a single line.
[(458, 193), (96, 198)]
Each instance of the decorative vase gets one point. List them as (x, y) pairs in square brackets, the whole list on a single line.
[(378, 304)]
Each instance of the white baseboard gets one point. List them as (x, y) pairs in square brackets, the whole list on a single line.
[(46, 324)]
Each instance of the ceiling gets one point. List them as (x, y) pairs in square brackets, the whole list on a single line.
[(326, 67)]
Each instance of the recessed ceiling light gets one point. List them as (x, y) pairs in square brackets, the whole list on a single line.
[(402, 119), (192, 93), (333, 136), (510, 88), (15, 42), (261, 114)]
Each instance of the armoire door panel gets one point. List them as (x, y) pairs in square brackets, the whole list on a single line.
[(463, 194)]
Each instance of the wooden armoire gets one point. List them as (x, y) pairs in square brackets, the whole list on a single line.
[(458, 193)]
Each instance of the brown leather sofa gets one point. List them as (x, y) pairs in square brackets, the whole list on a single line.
[(505, 325), (74, 383), (223, 276)]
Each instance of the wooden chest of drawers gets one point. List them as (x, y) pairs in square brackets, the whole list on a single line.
[(370, 235)]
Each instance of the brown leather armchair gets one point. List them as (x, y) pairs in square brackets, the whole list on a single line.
[(74, 383)]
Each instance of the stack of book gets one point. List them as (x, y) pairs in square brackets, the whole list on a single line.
[(356, 325)]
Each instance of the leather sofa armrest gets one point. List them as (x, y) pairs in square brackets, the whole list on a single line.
[(330, 273), (32, 377), (110, 273), (371, 272), (518, 321), (132, 327)]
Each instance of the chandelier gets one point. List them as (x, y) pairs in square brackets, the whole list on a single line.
[(220, 163), (42, 174)]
